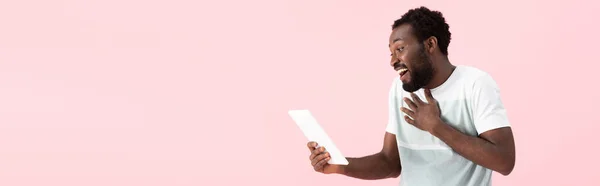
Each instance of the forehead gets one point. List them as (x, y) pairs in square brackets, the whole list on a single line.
[(401, 33)]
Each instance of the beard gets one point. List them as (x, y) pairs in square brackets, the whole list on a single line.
[(421, 72)]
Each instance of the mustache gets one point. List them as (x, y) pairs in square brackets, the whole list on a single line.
[(398, 66)]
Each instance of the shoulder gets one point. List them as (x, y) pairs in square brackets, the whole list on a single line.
[(476, 77), (480, 85), (473, 73)]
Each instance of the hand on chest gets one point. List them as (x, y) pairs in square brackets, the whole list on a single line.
[(454, 110)]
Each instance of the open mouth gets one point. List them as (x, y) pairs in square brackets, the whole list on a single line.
[(402, 71)]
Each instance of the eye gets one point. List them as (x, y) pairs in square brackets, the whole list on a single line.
[(400, 49)]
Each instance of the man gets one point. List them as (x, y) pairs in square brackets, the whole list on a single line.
[(447, 124)]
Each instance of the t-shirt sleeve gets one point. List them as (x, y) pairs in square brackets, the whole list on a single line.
[(488, 110), (393, 107)]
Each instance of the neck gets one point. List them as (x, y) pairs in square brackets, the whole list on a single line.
[(443, 71)]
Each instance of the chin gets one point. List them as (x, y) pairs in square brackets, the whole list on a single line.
[(409, 87)]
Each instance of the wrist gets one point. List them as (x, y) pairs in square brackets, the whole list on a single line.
[(436, 127), (341, 169)]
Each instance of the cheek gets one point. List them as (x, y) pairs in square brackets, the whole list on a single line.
[(401, 57), (414, 61), (408, 61)]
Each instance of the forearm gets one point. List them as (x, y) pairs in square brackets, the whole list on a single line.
[(376, 166), (476, 149)]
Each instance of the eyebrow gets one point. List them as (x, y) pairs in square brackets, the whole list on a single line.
[(397, 39)]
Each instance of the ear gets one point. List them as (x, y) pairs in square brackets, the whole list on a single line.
[(431, 44)]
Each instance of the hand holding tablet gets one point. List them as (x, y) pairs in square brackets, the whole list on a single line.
[(322, 158)]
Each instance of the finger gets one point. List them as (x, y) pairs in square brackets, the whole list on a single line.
[(428, 96), (316, 152), (313, 156), (410, 104), (311, 145), (319, 158), (407, 111), (321, 164), (416, 99), (408, 120)]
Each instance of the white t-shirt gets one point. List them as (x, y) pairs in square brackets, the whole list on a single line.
[(469, 101)]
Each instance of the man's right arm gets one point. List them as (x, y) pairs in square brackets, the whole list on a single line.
[(384, 164)]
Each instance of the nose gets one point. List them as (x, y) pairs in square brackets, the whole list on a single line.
[(394, 60)]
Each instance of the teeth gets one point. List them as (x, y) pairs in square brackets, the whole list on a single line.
[(402, 70)]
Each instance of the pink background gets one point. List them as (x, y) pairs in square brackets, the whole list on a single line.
[(132, 92)]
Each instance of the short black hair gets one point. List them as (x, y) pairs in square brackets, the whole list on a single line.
[(426, 23)]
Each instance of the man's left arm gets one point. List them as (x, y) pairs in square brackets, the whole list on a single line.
[(494, 148)]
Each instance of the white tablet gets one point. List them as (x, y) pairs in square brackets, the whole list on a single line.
[(314, 132)]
